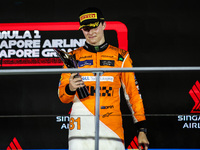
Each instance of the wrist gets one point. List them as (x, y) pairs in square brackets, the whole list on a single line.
[(68, 91), (141, 124), (144, 130)]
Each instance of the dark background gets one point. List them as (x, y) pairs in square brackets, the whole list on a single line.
[(160, 33)]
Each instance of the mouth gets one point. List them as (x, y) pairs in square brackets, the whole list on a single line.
[(91, 37)]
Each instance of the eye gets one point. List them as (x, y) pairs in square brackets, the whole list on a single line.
[(87, 29)]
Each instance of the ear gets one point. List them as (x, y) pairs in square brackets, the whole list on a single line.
[(104, 25)]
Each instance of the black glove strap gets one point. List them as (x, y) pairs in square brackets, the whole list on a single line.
[(142, 130)]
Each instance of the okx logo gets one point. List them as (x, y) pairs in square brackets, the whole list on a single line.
[(195, 94), (14, 145)]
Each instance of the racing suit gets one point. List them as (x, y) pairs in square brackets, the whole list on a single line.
[(82, 118)]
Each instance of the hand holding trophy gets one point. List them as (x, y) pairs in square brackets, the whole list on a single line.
[(70, 62)]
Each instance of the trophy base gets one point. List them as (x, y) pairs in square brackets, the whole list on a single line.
[(82, 92)]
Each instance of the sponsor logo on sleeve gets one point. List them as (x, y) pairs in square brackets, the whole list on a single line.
[(107, 107)]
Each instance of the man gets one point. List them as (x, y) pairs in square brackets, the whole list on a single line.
[(97, 53)]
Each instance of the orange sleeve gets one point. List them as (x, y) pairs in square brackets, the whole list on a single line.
[(64, 81), (131, 92)]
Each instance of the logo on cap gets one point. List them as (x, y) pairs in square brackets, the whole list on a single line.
[(88, 16)]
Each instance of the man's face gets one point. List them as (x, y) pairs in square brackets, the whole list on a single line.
[(94, 36)]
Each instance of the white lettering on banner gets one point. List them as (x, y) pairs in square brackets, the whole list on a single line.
[(37, 34), (49, 53), (26, 53), (64, 126), (27, 44), (27, 34), (57, 43), (15, 35), (188, 118), (62, 43), (47, 43), (193, 125), (190, 121), (4, 44), (20, 44), (64, 119), (102, 78)]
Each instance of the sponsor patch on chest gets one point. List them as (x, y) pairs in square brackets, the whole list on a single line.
[(102, 78), (107, 63), (85, 62)]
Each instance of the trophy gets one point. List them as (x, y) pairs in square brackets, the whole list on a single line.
[(70, 62)]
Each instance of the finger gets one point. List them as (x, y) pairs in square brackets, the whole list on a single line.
[(77, 80), (140, 147), (79, 86), (146, 146), (77, 76), (72, 75), (74, 86)]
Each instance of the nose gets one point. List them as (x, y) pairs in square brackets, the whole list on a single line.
[(90, 31)]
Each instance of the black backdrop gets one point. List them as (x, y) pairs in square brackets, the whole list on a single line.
[(160, 33)]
